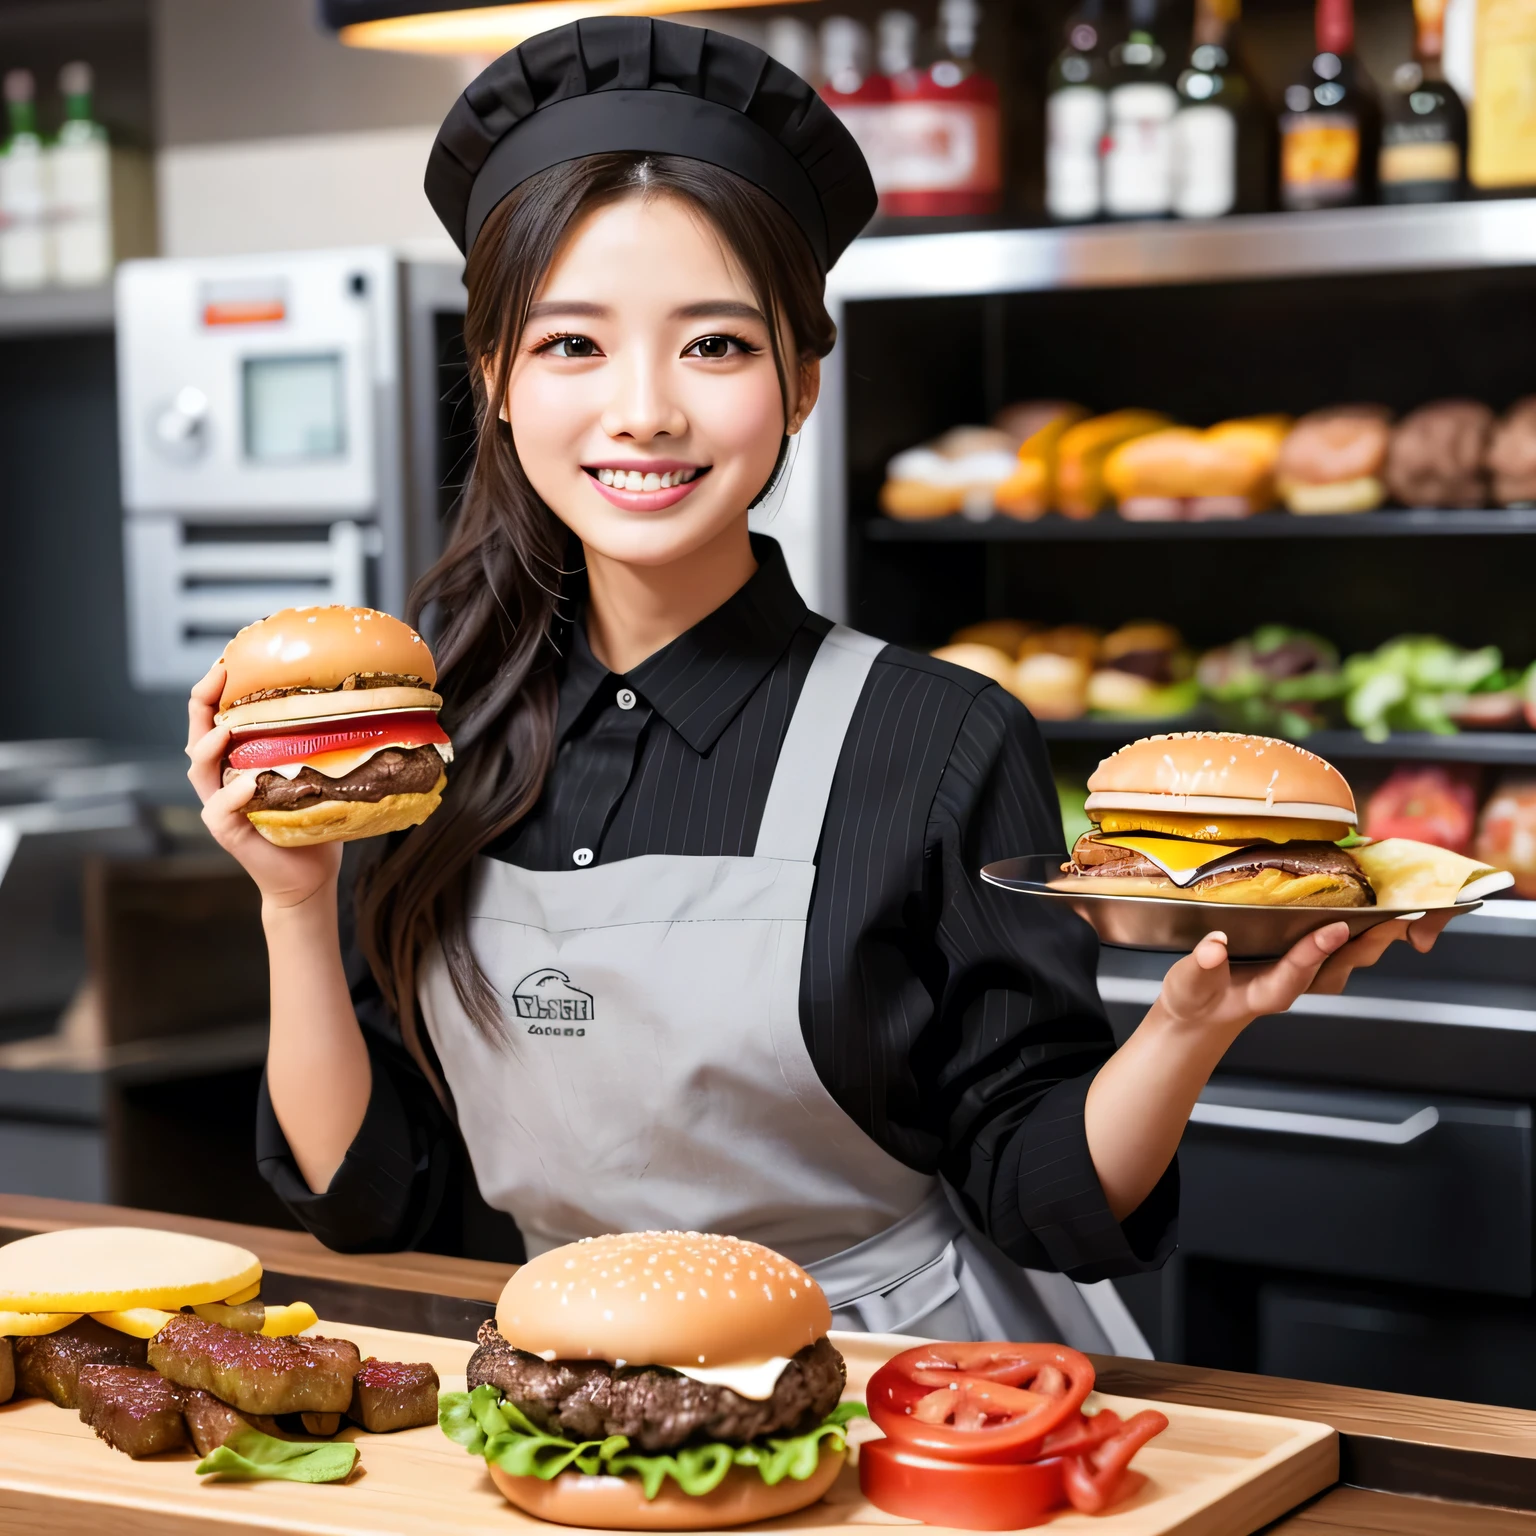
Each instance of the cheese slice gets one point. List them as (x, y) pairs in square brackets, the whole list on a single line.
[(284, 1322), (753, 1381), (1411, 876), (28, 1325), (1179, 858), (140, 1322)]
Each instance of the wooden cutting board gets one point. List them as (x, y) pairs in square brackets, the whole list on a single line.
[(1211, 1473)]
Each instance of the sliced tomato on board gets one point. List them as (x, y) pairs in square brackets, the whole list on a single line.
[(1006, 1496), (408, 728), (1100, 1478), (978, 1403)]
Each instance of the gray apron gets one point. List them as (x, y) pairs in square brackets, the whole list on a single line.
[(651, 1072)]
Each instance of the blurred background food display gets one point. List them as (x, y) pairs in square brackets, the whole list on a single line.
[(1280, 680), (1042, 456)]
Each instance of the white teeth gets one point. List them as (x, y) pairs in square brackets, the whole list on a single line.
[(636, 480)]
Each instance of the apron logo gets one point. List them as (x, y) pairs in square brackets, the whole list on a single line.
[(549, 996)]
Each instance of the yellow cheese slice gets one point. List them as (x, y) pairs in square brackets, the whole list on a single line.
[(1178, 858), (283, 1322), (250, 1293), (1409, 876), (28, 1325), (141, 1322), (115, 1269)]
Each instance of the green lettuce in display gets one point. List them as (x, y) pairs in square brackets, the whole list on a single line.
[(486, 1424), (1277, 681), (1417, 683)]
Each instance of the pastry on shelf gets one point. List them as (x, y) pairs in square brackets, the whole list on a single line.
[(1081, 640), (1144, 672), (1081, 455), (1030, 491), (1006, 635), (1184, 473), (1052, 686), (1333, 460), (986, 659), (1511, 459), (1437, 453), (957, 472)]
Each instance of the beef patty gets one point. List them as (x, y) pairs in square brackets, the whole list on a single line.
[(394, 771), (1091, 857), (658, 1409)]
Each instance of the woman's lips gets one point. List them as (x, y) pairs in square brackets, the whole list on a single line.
[(641, 500)]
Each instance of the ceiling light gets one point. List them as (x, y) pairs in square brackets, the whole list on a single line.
[(450, 26)]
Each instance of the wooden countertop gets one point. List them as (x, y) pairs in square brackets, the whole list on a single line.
[(1410, 1466)]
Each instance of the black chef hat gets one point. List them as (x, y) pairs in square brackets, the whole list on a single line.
[(615, 83)]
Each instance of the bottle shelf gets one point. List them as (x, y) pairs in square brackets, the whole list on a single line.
[(1423, 238), (41, 311), (1108, 528), (1504, 749)]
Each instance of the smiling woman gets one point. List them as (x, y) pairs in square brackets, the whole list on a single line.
[(697, 939)]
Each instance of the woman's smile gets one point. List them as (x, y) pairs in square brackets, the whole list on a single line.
[(641, 486)]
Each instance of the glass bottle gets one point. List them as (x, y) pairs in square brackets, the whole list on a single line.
[(1424, 121), (1330, 126), (1138, 144), (1075, 114), (1221, 133)]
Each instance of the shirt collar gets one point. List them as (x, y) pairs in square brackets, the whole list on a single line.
[(699, 683)]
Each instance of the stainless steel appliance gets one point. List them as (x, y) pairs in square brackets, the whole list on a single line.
[(259, 410)]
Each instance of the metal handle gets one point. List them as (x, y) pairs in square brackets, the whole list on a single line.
[(1399, 1133)]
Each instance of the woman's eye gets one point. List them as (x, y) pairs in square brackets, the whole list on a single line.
[(571, 346), (715, 347)]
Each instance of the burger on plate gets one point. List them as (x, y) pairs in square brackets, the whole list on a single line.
[(657, 1381), (331, 712), (1216, 816)]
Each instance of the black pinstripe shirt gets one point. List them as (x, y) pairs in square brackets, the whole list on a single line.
[(958, 1025)]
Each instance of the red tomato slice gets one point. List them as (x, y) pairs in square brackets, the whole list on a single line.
[(1099, 1478), (978, 1402), (1005, 1497), (408, 728)]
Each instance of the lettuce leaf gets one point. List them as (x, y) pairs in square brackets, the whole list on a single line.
[(249, 1454), (485, 1424)]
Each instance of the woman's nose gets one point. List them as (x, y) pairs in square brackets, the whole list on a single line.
[(642, 407)]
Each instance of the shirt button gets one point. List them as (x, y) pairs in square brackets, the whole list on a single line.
[(627, 698), (582, 857)]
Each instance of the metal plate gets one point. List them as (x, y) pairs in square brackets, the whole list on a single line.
[(1175, 925)]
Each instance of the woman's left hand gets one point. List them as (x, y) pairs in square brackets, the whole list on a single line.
[(1206, 993)]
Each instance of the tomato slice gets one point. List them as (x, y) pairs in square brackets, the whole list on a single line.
[(978, 1403), (405, 728), (1100, 1478), (1004, 1497), (1075, 1439)]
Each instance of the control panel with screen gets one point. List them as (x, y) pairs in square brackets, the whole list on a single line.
[(294, 408)]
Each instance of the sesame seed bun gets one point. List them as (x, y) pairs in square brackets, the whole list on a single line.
[(1221, 773), (662, 1298), (607, 1503), (321, 647)]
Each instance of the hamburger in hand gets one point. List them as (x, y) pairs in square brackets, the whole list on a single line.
[(331, 711), (656, 1381), (1215, 816)]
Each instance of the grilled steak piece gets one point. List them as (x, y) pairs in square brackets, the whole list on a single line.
[(211, 1423), (133, 1410), (394, 771), (49, 1364), (253, 1373), (658, 1409), (7, 1371), (387, 1395)]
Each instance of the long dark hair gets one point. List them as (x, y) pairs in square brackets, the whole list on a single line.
[(495, 594)]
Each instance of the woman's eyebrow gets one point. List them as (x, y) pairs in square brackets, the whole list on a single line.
[(720, 309), (587, 311)]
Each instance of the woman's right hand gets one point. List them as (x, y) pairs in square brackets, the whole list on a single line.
[(286, 877)]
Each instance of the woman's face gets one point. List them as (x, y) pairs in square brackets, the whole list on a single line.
[(643, 399)]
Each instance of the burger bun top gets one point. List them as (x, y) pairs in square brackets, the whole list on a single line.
[(1221, 772), (662, 1298), (321, 647)]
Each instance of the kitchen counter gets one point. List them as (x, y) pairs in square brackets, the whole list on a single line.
[(1411, 1466)]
